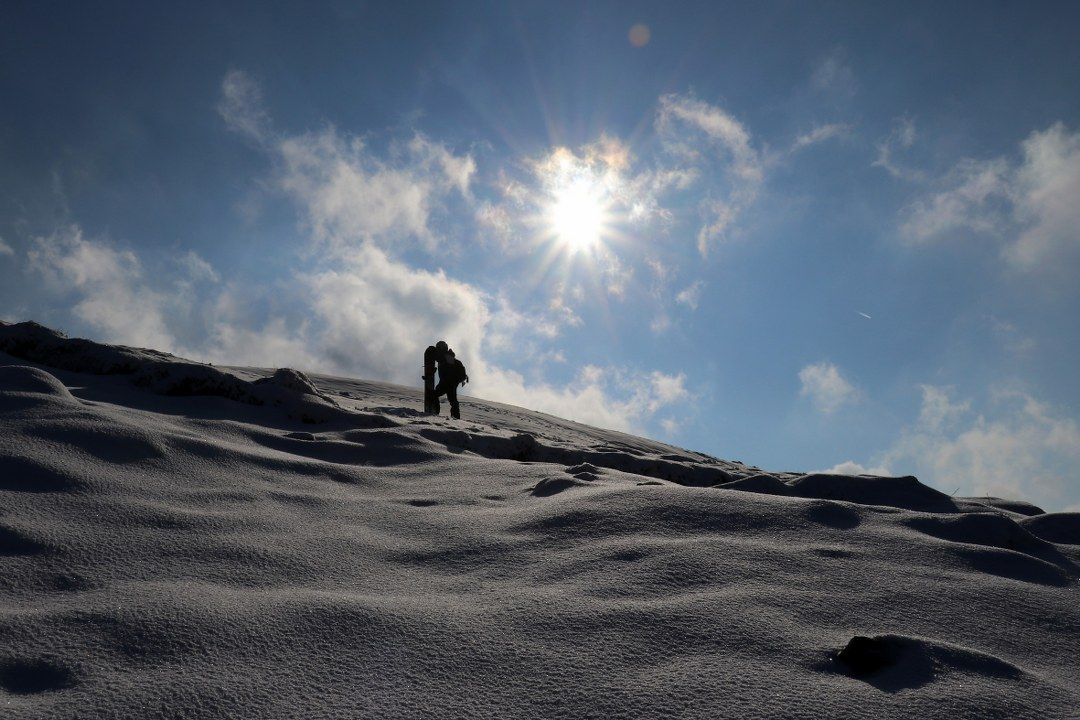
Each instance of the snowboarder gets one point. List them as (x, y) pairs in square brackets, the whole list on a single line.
[(451, 374), (431, 357)]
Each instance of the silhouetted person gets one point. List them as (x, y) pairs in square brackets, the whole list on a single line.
[(431, 357), (451, 374)]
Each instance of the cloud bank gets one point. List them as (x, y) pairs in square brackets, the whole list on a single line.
[(1027, 204)]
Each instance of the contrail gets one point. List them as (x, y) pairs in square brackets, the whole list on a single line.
[(866, 316)]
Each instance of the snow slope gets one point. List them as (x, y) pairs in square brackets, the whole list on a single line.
[(184, 541)]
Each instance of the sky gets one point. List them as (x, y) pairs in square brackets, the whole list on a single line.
[(806, 236)]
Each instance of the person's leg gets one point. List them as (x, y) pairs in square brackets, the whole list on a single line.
[(440, 390), (451, 396)]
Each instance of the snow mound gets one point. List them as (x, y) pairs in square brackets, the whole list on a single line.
[(25, 379), (1061, 528), (1004, 547), (759, 483), (290, 380), (553, 485), (900, 492), (1018, 507), (292, 391), (905, 493), (897, 662), (990, 529), (164, 374), (39, 344), (186, 379), (28, 389), (19, 473), (526, 447)]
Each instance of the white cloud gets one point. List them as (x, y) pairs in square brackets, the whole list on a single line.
[(691, 295), (670, 425), (560, 311), (457, 171), (508, 328), (966, 203), (551, 356), (688, 127), (665, 389), (833, 74), (5, 249), (1029, 204), (109, 291), (820, 134), (375, 312), (901, 138), (596, 396), (241, 106), (1048, 185), (616, 274), (850, 467), (350, 195), (679, 112), (234, 338), (1011, 337), (197, 269), (826, 387), (660, 324), (1026, 449), (661, 272), (498, 220), (938, 412)]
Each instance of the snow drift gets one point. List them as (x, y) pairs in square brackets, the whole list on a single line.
[(183, 540)]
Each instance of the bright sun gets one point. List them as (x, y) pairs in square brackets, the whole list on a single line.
[(578, 214)]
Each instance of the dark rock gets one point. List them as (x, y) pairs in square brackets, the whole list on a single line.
[(865, 656)]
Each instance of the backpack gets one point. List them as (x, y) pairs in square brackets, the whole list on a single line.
[(460, 376)]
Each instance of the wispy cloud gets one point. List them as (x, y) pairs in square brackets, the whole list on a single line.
[(241, 106), (703, 135), (5, 249), (833, 74), (828, 389), (901, 138), (660, 324), (691, 294), (965, 202), (820, 134)]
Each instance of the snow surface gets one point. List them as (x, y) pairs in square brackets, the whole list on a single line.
[(184, 541)]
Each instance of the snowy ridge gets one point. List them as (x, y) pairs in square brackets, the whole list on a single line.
[(181, 540)]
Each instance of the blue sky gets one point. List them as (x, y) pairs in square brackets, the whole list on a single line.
[(801, 235)]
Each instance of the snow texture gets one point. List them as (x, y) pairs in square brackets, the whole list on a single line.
[(180, 540)]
